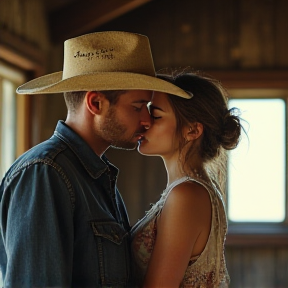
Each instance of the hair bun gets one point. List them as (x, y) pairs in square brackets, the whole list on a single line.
[(231, 129)]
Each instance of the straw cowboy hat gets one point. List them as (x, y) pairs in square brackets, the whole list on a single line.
[(101, 61)]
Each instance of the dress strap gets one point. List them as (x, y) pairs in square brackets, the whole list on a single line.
[(175, 183)]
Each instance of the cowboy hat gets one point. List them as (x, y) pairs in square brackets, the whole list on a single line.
[(112, 60)]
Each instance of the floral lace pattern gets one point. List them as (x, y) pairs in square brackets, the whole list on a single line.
[(206, 270)]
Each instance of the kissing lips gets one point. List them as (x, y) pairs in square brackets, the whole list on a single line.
[(141, 139), (140, 135)]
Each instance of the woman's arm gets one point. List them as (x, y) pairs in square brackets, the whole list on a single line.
[(183, 229)]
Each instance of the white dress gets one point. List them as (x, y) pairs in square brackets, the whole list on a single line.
[(207, 269)]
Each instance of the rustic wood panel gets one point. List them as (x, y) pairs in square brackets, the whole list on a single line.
[(257, 267), (77, 18), (212, 34), (25, 19), (280, 33), (256, 35), (234, 265), (281, 267), (201, 33), (161, 22)]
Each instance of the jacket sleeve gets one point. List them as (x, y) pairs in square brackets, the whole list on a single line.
[(37, 227)]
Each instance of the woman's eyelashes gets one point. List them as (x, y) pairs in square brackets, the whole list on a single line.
[(152, 112), (155, 117)]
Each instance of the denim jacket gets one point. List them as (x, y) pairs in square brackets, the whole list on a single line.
[(63, 222)]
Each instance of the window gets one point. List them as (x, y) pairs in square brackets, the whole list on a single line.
[(13, 117), (257, 173), (257, 170)]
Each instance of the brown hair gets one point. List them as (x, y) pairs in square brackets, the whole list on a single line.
[(74, 99), (208, 106)]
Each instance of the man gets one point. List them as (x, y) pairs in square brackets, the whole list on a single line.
[(63, 222)]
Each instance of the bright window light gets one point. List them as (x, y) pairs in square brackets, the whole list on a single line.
[(8, 120), (10, 78), (256, 168)]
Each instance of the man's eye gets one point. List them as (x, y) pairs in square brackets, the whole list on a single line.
[(138, 109)]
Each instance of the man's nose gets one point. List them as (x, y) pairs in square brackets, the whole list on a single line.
[(146, 118)]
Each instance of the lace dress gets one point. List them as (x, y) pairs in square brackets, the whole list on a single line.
[(207, 270)]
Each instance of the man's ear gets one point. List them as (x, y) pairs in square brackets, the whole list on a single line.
[(94, 102), (193, 131)]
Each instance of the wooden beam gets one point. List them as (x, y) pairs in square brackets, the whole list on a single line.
[(257, 235), (21, 53), (82, 17), (260, 79)]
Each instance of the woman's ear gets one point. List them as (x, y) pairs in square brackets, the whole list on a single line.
[(193, 131), (94, 102)]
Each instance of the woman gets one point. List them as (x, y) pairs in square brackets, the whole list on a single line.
[(180, 241)]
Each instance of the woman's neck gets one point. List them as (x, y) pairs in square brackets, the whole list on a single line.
[(175, 170)]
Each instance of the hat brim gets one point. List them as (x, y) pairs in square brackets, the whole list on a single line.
[(99, 81)]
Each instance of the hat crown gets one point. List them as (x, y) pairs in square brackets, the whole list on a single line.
[(111, 51)]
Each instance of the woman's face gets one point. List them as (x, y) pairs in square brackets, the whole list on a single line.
[(160, 139)]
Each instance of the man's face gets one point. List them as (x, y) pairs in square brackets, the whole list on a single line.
[(125, 122)]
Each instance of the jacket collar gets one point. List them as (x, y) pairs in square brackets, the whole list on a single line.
[(93, 164)]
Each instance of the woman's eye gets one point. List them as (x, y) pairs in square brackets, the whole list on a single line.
[(155, 117)]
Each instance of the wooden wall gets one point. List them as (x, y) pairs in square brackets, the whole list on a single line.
[(27, 20), (217, 34), (257, 267), (25, 43), (208, 34)]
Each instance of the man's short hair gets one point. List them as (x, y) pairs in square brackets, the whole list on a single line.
[(74, 99)]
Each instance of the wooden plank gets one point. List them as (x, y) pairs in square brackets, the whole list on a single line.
[(186, 33), (251, 235), (80, 17), (220, 33), (251, 78), (159, 27), (257, 45), (249, 48), (265, 29), (156, 20), (234, 266), (252, 240), (280, 34), (234, 34), (281, 267), (21, 53), (258, 265)]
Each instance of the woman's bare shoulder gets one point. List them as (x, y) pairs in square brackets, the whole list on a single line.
[(190, 193)]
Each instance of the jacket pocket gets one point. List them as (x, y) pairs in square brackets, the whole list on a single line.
[(113, 253)]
